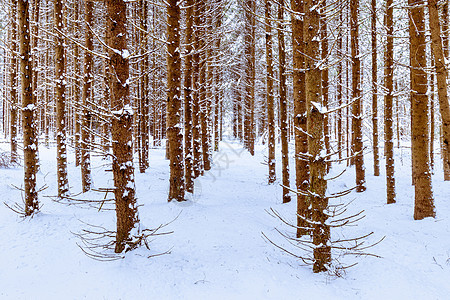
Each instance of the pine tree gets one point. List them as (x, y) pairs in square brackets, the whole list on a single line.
[(13, 83), (357, 143), (424, 203), (283, 106), (122, 124), (441, 76), (269, 87), (376, 159), (174, 125), (61, 158), (388, 102), (28, 110), (86, 179), (315, 124)]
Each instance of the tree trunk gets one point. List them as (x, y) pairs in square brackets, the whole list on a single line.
[(145, 102), (357, 143), (174, 125), (315, 125), (196, 127), (77, 84), (301, 139), (86, 180), (61, 151), (249, 111), (325, 79), (441, 76), (13, 82), (122, 125), (424, 203), (28, 110), (269, 93), (283, 106), (388, 103), (188, 153), (376, 159)]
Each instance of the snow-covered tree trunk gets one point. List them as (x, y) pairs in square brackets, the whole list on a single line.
[(283, 106), (269, 93), (61, 151), (122, 124), (174, 124), (188, 152), (86, 179), (357, 140), (28, 109), (301, 139), (388, 103), (375, 150), (316, 148), (13, 83)]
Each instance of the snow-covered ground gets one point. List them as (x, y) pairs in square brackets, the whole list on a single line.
[(216, 249)]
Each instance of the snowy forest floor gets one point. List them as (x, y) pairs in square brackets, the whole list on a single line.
[(216, 249)]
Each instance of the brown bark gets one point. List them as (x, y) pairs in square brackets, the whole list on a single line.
[(376, 159), (61, 151), (283, 107), (424, 203), (339, 90), (77, 84), (28, 110), (144, 99), (315, 125), (432, 127), (441, 76), (174, 125), (250, 68), (445, 40), (196, 132), (357, 143), (188, 152), (301, 139), (86, 180), (269, 93), (122, 119), (13, 83), (388, 103), (325, 77)]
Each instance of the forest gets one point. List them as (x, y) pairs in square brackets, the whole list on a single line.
[(229, 149)]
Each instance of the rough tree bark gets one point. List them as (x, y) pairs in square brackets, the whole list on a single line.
[(388, 102), (250, 68), (269, 93), (86, 179), (424, 203), (174, 125), (315, 125), (376, 158), (77, 92), (61, 151), (283, 106), (145, 101), (188, 153), (13, 83), (28, 110), (122, 124), (301, 139), (357, 144), (441, 76), (196, 128)]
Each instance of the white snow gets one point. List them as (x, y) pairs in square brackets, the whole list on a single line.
[(217, 247)]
